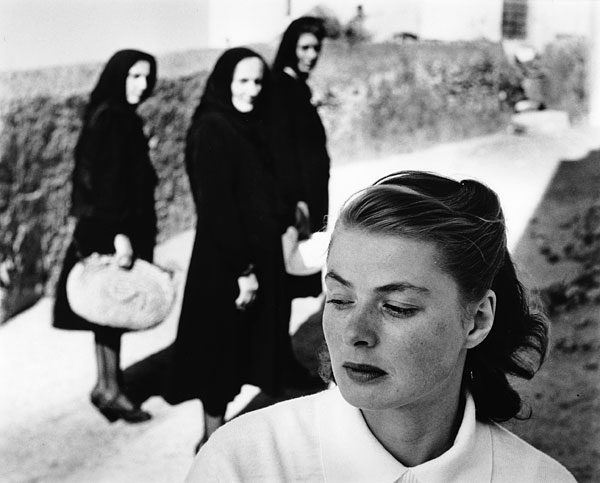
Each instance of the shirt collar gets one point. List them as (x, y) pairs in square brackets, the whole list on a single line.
[(350, 452)]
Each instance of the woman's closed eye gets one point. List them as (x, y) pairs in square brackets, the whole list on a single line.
[(398, 311), (338, 302)]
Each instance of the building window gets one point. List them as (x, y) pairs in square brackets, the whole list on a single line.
[(514, 19)]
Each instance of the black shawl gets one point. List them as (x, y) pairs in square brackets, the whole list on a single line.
[(113, 179), (286, 54), (111, 84), (297, 136), (218, 348)]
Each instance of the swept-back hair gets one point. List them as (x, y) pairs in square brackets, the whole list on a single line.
[(465, 222)]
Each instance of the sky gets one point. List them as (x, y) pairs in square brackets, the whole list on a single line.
[(41, 33)]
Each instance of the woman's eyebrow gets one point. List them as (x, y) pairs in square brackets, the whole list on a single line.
[(401, 287), (338, 278), (391, 287)]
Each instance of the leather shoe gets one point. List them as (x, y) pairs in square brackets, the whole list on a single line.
[(119, 407)]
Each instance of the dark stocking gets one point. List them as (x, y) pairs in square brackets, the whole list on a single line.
[(108, 358), (108, 362)]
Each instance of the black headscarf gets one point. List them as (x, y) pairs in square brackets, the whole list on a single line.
[(217, 93), (286, 55), (111, 84), (137, 197)]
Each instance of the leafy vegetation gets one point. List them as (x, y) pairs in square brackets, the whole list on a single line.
[(563, 64), (389, 98)]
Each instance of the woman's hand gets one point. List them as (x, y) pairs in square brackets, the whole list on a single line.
[(248, 285), (302, 222), (123, 251)]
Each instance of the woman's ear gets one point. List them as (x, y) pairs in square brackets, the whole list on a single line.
[(483, 320)]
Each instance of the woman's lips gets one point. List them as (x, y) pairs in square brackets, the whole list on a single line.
[(363, 373)]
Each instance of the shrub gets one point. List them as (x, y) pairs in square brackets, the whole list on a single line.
[(389, 98), (333, 27), (563, 63)]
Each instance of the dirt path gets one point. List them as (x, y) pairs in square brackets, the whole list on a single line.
[(50, 433)]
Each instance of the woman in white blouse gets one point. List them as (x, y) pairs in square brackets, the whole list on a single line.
[(424, 320)]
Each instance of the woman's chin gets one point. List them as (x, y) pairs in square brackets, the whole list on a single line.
[(361, 392), (243, 107)]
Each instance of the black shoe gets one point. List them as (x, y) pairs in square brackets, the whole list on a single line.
[(119, 407)]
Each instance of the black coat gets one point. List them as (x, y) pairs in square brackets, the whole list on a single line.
[(299, 146), (239, 223), (113, 192)]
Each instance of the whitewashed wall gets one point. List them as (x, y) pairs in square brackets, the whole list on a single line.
[(234, 22), (551, 18)]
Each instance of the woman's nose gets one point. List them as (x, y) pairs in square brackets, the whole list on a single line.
[(360, 329), (143, 83)]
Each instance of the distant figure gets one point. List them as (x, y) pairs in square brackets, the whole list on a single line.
[(405, 37), (355, 30), (298, 138), (534, 80), (113, 201), (233, 328), (425, 319)]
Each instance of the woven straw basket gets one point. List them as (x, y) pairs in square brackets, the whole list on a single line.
[(133, 299)]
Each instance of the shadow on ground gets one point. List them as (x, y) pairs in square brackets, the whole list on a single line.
[(151, 375), (565, 395)]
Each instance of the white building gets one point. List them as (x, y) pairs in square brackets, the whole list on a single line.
[(234, 22), (549, 19)]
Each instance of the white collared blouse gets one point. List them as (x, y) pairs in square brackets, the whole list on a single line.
[(322, 438)]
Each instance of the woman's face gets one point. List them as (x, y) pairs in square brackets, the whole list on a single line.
[(137, 81), (308, 50), (393, 321), (246, 83)]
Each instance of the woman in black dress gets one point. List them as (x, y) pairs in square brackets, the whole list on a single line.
[(113, 201), (298, 139), (233, 328)]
